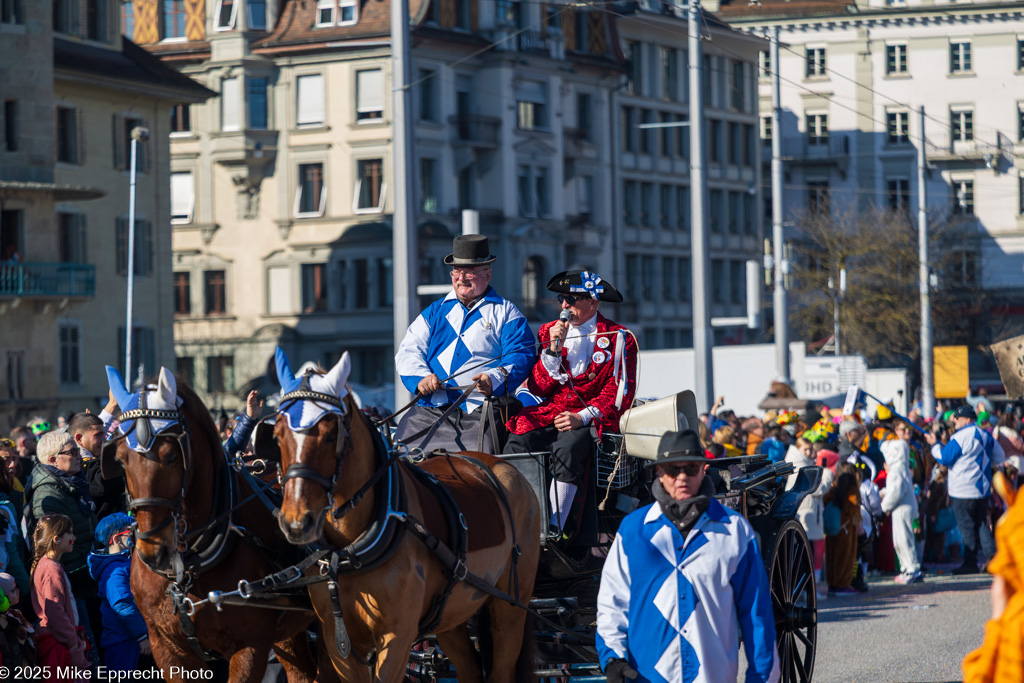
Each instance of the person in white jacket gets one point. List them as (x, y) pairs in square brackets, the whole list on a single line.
[(811, 511), (900, 501)]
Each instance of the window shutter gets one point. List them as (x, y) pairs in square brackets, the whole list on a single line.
[(80, 136), (369, 90), (595, 29), (474, 15), (310, 100), (118, 128), (121, 240), (113, 24), (79, 11), (144, 164), (569, 29), (448, 18)]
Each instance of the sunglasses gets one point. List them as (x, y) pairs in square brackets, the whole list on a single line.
[(692, 469), (568, 299), (72, 452)]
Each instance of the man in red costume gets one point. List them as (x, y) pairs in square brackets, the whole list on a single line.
[(584, 379)]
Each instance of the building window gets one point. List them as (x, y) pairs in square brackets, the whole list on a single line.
[(467, 187), (336, 12), (230, 104), (715, 210), (311, 194), (1020, 123), (629, 130), (898, 194), (667, 145), (11, 125), (523, 192), (531, 103), (69, 129), (584, 120), (369, 191), (963, 197), (585, 200), (362, 273), (962, 125), (428, 186), (669, 74), (734, 131), (719, 285), (181, 118), (817, 196), (70, 342), (748, 213), (959, 57), (898, 127), (220, 374), (645, 134), (764, 64), (225, 14), (817, 129), (1020, 195), (646, 199), (257, 14), (11, 12), (72, 237), (1020, 54), (815, 62), (682, 138), (735, 212), (127, 19), (123, 127), (736, 100), (185, 369), (668, 278), (173, 24), (314, 287), (715, 141), (427, 95), (143, 350), (310, 107), (63, 16), (737, 281), (766, 129), (684, 279), (256, 89), (682, 208), (665, 206), (183, 293), (629, 202), (279, 291), (96, 20), (634, 62), (369, 94), (182, 197), (10, 234), (385, 283), (895, 59), (143, 246), (647, 277), (542, 186), (214, 286), (632, 277)]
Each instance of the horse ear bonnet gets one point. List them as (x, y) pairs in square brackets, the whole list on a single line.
[(305, 413)]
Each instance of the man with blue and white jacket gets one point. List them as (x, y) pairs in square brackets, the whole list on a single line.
[(471, 337), (970, 456), (684, 577)]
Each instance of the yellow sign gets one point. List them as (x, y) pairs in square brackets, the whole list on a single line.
[(952, 378)]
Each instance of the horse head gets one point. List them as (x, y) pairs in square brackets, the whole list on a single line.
[(153, 449), (312, 431)]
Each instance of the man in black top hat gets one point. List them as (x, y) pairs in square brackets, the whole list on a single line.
[(472, 337), (583, 384)]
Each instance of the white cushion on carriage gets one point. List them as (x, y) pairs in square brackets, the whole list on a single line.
[(643, 425)]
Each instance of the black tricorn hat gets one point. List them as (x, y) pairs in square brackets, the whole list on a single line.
[(470, 250), (584, 283), (681, 446)]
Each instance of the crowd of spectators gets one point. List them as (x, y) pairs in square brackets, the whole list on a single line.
[(898, 493)]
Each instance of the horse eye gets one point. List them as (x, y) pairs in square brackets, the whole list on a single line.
[(331, 437)]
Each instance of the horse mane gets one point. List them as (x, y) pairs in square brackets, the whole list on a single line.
[(199, 416)]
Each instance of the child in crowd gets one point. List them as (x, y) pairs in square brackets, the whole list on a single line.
[(841, 549), (16, 644), (61, 640), (124, 635), (899, 500)]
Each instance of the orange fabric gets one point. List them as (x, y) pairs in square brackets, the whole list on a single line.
[(1000, 659)]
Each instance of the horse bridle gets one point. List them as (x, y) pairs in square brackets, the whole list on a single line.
[(141, 417), (300, 470)]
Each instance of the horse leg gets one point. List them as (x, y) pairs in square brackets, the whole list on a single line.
[(248, 665), (455, 643), (172, 664), (297, 660), (393, 657), (508, 631)]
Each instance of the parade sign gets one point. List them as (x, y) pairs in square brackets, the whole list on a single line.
[(952, 379), (1010, 361)]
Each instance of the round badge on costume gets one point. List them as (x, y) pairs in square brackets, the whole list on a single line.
[(603, 343), (600, 356), (592, 376)]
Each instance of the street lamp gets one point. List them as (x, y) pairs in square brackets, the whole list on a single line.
[(139, 134)]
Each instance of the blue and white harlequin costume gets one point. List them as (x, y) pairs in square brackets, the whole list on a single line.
[(447, 337), (673, 608)]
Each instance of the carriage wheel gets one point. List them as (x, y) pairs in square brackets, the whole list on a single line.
[(791, 569)]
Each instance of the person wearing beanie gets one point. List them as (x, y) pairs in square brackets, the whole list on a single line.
[(124, 636)]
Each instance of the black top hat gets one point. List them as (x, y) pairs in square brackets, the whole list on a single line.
[(584, 283), (681, 446), (470, 250)]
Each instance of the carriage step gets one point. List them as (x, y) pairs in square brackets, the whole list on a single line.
[(559, 606), (577, 675)]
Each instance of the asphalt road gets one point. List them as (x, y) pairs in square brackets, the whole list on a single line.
[(893, 633)]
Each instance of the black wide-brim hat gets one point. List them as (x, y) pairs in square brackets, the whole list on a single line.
[(584, 283), (681, 446), (470, 250)]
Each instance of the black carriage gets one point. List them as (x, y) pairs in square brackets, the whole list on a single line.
[(567, 584)]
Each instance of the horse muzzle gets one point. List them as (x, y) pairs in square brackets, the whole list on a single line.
[(301, 528)]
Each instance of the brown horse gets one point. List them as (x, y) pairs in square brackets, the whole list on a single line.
[(177, 476), (328, 453)]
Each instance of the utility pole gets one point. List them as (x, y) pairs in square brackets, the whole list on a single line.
[(138, 134), (404, 263), (927, 378), (780, 304), (702, 339)]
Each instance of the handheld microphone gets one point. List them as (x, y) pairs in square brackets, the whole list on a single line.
[(564, 317)]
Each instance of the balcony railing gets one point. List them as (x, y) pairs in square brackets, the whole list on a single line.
[(943, 146), (832, 148), (578, 144), (47, 279), (475, 131)]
